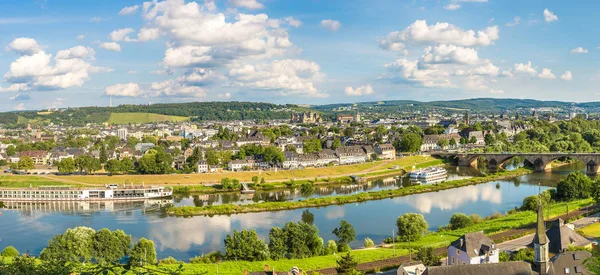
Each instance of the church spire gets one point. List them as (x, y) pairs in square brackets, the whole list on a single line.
[(540, 243)]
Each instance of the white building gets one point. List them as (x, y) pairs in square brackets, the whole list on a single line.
[(473, 248), (122, 133)]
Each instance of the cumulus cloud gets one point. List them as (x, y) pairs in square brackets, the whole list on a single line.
[(494, 91), (549, 16), (147, 34), (224, 96), (487, 69), (408, 71), (568, 76), (515, 22), (129, 10), (20, 107), (445, 53), (176, 89), (293, 22), (525, 68), (452, 6), (546, 74), (24, 46), (121, 35), (71, 68), (359, 91), (97, 19), (440, 33), (111, 46), (124, 90), (332, 25), (288, 77), (14, 88), (248, 4), (579, 50), (507, 74), (81, 37)]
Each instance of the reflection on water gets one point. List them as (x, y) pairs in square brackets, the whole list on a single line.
[(29, 227)]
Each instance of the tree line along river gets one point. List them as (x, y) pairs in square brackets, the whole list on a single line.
[(28, 227)]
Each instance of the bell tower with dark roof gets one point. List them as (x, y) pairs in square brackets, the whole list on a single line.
[(541, 243)]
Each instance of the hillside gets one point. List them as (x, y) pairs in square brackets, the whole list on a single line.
[(126, 118)]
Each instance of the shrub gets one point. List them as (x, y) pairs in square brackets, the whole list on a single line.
[(369, 243), (169, 260), (476, 218), (210, 258), (331, 247), (10, 251), (460, 220)]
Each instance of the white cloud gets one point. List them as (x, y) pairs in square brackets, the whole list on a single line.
[(332, 25), (487, 69), (71, 68), (97, 19), (111, 46), (20, 107), (224, 96), (440, 33), (173, 88), (186, 56), (249, 4), (124, 90), (568, 76), (452, 6), (549, 16), (446, 53), (129, 10), (147, 34), (81, 37), (24, 46), (546, 74), (407, 71), (200, 77), (293, 22), (288, 77), (494, 91), (507, 74), (359, 91), (14, 88), (515, 22), (579, 50), (525, 68), (20, 96), (121, 35)]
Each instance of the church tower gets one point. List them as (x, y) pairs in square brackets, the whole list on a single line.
[(540, 244)]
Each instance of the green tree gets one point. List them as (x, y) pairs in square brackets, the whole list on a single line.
[(312, 145), (9, 251), (245, 246), (212, 157), (331, 247), (66, 165), (452, 142), (575, 186), (143, 253), (26, 163), (336, 143), (74, 245), (11, 151), (410, 142), (346, 265), (277, 243), (443, 143), (255, 179), (110, 247), (103, 154), (126, 165), (411, 226), (345, 234), (349, 132), (460, 220), (113, 166), (369, 243), (428, 256)]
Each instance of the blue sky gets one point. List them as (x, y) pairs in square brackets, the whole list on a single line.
[(59, 53)]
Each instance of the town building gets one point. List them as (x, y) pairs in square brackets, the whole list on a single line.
[(38, 156), (385, 151), (309, 117), (473, 248), (122, 133)]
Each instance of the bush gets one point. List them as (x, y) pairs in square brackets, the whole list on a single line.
[(495, 215), (460, 220), (169, 260), (210, 258), (428, 257), (575, 186), (411, 226), (504, 256), (10, 251), (369, 243), (331, 247), (476, 218)]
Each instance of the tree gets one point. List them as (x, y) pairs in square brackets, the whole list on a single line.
[(11, 151), (290, 148), (428, 257), (336, 144), (331, 247), (575, 186), (110, 247), (460, 220), (369, 243), (255, 179), (347, 265), (185, 143), (473, 140), (113, 166), (74, 245), (9, 251), (411, 226), (345, 234), (25, 163), (349, 132), (312, 145), (443, 143), (126, 165), (410, 142), (103, 155), (302, 240), (212, 157), (245, 246), (155, 161), (452, 142), (66, 165), (277, 245), (143, 253)]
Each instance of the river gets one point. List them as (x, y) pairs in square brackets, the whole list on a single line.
[(28, 227)]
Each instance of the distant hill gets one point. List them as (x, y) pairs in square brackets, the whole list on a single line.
[(126, 118)]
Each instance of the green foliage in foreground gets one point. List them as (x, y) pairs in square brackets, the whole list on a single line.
[(331, 200)]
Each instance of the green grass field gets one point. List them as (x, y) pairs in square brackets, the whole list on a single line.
[(24, 181), (591, 231), (125, 118)]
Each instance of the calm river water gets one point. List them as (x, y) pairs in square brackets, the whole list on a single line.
[(28, 227)]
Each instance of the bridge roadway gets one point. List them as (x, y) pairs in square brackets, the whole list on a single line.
[(541, 161)]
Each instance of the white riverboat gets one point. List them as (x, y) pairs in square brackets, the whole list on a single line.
[(428, 174), (62, 193)]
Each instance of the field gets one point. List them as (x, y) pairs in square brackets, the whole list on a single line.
[(591, 231), (270, 176), (18, 181), (125, 118)]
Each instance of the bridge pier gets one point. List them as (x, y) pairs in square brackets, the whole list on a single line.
[(591, 168), (467, 161)]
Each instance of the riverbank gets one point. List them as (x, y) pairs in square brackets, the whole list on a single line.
[(332, 200)]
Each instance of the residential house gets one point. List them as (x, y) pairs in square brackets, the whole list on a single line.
[(143, 147), (326, 157), (563, 235), (411, 268), (473, 248), (430, 142), (504, 268), (385, 151), (479, 136), (38, 156), (350, 154), (238, 165), (202, 166), (291, 160)]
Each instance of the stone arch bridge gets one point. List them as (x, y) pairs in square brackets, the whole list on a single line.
[(541, 161)]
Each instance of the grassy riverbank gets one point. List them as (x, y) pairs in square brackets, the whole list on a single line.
[(331, 200)]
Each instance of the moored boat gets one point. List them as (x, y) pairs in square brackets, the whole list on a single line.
[(66, 193)]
